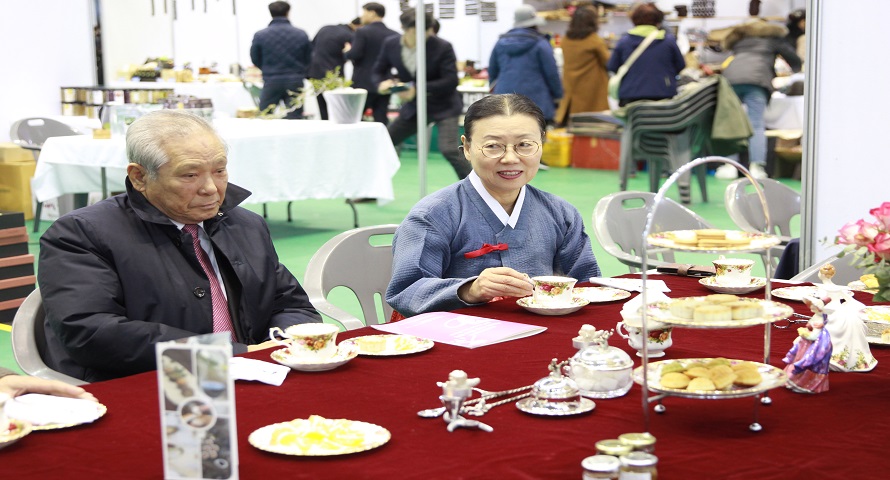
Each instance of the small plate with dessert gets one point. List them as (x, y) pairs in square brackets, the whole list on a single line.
[(719, 310)]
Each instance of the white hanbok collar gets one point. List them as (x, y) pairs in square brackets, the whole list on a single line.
[(495, 206)]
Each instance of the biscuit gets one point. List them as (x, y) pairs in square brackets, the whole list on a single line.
[(718, 370), (724, 380), (711, 233), (674, 380), (717, 361), (674, 366), (748, 378), (684, 308), (712, 313), (720, 298), (701, 384), (696, 372), (743, 366), (742, 310)]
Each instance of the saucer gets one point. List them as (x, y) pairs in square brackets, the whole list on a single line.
[(754, 284), (346, 351), (529, 304), (537, 407)]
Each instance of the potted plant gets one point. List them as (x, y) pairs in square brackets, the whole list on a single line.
[(345, 104)]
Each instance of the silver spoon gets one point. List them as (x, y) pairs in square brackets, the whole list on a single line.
[(471, 404)]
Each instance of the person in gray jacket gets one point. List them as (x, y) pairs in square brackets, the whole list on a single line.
[(755, 45), (174, 256)]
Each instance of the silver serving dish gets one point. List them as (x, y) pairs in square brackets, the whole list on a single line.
[(555, 395), (600, 370)]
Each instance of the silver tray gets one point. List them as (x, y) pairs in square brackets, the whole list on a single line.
[(772, 378), (537, 407), (773, 312)]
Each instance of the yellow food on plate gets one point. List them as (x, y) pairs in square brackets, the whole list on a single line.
[(372, 343), (701, 384), (672, 367), (685, 237), (696, 372), (684, 308), (742, 310), (674, 380), (724, 380), (719, 298), (743, 365), (748, 377), (718, 370), (718, 361), (869, 280), (885, 336), (711, 233), (712, 313)]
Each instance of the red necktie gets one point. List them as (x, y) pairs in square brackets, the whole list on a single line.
[(486, 248), (222, 322)]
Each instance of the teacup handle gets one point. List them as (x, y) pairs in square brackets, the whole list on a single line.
[(618, 329), (283, 342)]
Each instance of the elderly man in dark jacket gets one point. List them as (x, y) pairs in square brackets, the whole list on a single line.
[(444, 103), (172, 257), (283, 53)]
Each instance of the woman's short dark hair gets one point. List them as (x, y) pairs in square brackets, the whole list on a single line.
[(408, 19), (646, 14), (279, 9), (584, 22), (505, 104)]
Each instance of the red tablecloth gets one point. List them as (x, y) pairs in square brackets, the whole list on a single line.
[(839, 434)]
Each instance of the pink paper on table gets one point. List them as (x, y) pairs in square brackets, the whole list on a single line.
[(461, 330)]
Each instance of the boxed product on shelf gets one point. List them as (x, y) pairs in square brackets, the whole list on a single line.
[(12, 153), (15, 186)]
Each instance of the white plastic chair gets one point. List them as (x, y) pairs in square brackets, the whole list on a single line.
[(619, 220), (349, 260), (746, 211), (29, 341)]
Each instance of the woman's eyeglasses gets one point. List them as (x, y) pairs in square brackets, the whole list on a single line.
[(525, 148)]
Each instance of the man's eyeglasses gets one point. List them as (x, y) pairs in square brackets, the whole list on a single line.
[(525, 148)]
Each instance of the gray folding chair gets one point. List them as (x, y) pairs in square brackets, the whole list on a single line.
[(29, 341), (350, 260), (845, 271), (31, 133), (620, 218), (746, 211)]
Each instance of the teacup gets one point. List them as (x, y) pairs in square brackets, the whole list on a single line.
[(733, 272), (659, 339), (308, 341), (553, 291)]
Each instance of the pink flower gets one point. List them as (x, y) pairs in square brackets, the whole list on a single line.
[(882, 213), (881, 245), (859, 233)]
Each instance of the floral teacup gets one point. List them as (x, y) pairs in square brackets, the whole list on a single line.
[(659, 336), (733, 272), (310, 342), (553, 291)]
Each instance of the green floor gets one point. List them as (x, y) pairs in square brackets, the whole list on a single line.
[(316, 221)]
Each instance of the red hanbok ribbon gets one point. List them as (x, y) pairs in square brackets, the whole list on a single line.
[(486, 248)]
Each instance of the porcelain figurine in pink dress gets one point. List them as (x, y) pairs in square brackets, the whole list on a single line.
[(809, 359)]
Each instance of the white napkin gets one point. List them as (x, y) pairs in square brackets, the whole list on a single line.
[(631, 284), (39, 409), (249, 369)]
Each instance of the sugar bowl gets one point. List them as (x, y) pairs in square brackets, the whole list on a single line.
[(599, 370)]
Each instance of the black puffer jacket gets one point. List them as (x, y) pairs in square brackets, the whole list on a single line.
[(282, 51)]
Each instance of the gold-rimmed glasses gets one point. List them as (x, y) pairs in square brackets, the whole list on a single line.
[(525, 148)]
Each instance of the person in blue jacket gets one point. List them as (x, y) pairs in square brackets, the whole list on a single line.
[(522, 62), (653, 76)]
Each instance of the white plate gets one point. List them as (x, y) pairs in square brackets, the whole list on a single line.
[(755, 284), (319, 436), (600, 294), (396, 345), (772, 312), (876, 341), (877, 319), (346, 351), (772, 378), (529, 304), (859, 286), (536, 407), (20, 429), (756, 241), (798, 293), (40, 408)]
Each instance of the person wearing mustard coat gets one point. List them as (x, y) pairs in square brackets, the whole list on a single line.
[(585, 78)]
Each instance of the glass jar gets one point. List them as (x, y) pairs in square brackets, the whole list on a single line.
[(601, 466), (638, 466), (640, 442), (612, 447)]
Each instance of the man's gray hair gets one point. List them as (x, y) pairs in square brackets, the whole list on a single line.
[(148, 136)]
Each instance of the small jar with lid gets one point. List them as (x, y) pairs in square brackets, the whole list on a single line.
[(638, 466), (601, 467), (613, 447), (639, 442)]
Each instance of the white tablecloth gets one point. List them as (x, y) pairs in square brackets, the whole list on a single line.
[(275, 159)]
